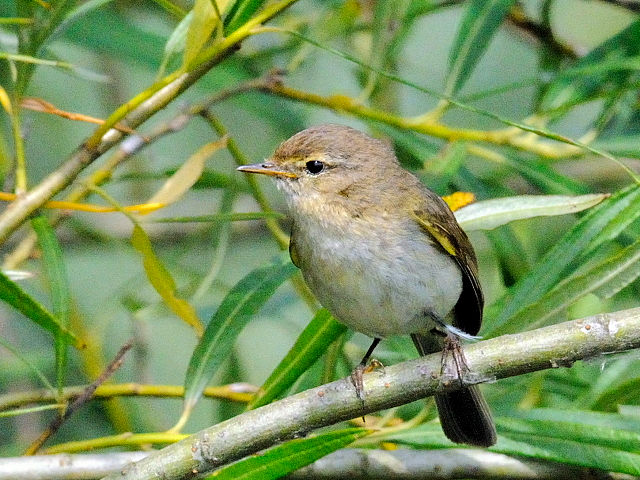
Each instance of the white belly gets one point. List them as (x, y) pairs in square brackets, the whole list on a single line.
[(375, 284)]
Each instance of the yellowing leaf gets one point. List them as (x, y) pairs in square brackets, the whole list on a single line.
[(162, 281), (186, 175), (459, 199), (5, 101), (204, 22)]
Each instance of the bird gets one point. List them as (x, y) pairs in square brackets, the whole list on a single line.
[(383, 253)]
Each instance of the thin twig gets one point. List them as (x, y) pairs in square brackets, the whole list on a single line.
[(79, 402), (234, 392)]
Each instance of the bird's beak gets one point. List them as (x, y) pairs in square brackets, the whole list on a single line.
[(266, 168)]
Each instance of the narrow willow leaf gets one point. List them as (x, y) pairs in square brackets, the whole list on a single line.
[(625, 276), (489, 214), (622, 145), (171, 7), (387, 15), (59, 284), (481, 20), (187, 175), (76, 14), (618, 394), (427, 435), (314, 340), (576, 431), (544, 177), (238, 307), (569, 452), (550, 268), (221, 217), (552, 444), (288, 457), (412, 150), (176, 42), (12, 294), (162, 281), (569, 90), (203, 22), (600, 419), (5, 101), (38, 373), (241, 11), (610, 275)]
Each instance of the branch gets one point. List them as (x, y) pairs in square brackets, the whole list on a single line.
[(81, 399), (135, 111), (347, 463), (235, 392), (505, 356), (512, 136)]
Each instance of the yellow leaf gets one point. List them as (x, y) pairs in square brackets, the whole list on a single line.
[(186, 175), (162, 281), (458, 200), (4, 100)]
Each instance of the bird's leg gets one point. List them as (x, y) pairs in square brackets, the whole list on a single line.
[(453, 346), (356, 375)]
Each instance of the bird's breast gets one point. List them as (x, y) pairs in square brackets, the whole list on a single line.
[(379, 275)]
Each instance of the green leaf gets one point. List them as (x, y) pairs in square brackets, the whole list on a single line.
[(288, 457), (569, 452), (581, 438), (241, 11), (238, 307), (608, 420), (176, 42), (568, 90), (574, 430), (489, 214), (481, 20), (412, 150), (544, 177), (60, 292), (12, 294), (596, 226), (622, 145), (203, 23), (321, 332), (604, 279), (618, 394), (31, 366), (76, 14), (161, 280)]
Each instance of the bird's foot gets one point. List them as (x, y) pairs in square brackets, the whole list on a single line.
[(453, 349), (359, 371)]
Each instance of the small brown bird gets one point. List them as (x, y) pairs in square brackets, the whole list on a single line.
[(382, 253)]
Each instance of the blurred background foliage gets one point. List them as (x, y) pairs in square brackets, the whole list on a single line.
[(565, 68)]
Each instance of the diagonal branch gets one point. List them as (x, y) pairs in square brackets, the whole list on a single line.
[(505, 356), (133, 113)]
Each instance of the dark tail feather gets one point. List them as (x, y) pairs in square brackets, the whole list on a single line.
[(464, 414), (465, 417)]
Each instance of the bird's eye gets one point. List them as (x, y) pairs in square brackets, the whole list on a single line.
[(314, 166)]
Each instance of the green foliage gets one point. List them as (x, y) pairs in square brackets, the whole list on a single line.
[(314, 340), (539, 137), (289, 456), (242, 302)]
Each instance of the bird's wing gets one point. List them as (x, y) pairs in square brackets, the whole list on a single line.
[(437, 220)]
